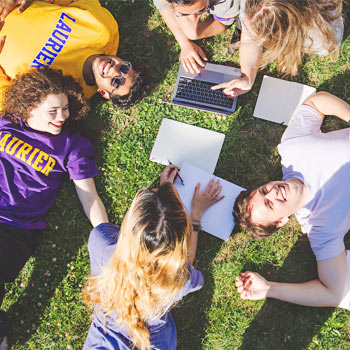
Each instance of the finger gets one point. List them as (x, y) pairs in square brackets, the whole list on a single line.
[(230, 93), (219, 86), (218, 199), (202, 54), (194, 66), (2, 42), (172, 175), (190, 66), (196, 189), (184, 64), (210, 185), (25, 4), (198, 60), (4, 13)]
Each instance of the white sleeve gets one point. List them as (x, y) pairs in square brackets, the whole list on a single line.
[(306, 121)]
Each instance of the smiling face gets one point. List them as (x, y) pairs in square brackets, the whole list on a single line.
[(105, 69), (191, 11), (50, 115), (275, 201)]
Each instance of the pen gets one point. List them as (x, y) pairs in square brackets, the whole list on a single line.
[(177, 174)]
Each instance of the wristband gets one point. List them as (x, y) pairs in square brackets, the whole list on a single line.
[(196, 225)]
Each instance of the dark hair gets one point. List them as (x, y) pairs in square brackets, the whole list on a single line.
[(135, 94), (164, 220), (242, 213), (28, 90)]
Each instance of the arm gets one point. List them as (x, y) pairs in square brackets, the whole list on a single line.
[(250, 52), (328, 290), (91, 202), (201, 202), (191, 54), (328, 104)]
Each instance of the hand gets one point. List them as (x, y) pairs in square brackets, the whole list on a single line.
[(205, 199), (252, 286), (235, 87), (169, 173), (191, 56), (7, 6)]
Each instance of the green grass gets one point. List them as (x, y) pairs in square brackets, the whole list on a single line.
[(44, 304)]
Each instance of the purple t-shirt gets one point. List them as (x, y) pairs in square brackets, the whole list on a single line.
[(109, 335), (33, 166)]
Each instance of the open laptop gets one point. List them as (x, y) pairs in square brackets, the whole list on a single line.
[(193, 90)]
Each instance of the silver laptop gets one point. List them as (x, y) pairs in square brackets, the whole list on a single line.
[(193, 90)]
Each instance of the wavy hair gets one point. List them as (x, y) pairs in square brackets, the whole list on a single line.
[(149, 265), (284, 27), (30, 89)]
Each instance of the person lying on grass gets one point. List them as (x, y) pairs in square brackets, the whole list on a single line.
[(80, 37), (272, 30), (316, 188), (139, 271), (37, 151)]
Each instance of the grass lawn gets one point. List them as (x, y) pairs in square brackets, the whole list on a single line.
[(44, 304)]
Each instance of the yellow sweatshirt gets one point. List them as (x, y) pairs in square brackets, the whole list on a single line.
[(61, 34)]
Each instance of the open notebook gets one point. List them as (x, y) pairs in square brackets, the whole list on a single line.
[(278, 99), (180, 142), (218, 219)]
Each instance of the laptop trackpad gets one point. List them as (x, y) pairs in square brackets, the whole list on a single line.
[(208, 75)]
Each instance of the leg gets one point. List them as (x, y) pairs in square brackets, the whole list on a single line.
[(16, 247)]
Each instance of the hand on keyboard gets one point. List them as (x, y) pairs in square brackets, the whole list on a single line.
[(235, 87), (192, 56)]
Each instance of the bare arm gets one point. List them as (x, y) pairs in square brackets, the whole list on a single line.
[(328, 290), (91, 202), (250, 52), (328, 104), (191, 55), (201, 201)]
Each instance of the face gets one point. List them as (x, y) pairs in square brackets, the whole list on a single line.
[(276, 201), (50, 115), (105, 69), (192, 12)]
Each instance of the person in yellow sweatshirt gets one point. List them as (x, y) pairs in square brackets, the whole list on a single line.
[(80, 37)]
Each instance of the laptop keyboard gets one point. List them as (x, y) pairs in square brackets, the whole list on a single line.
[(199, 90)]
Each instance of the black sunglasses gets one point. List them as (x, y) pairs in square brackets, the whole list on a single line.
[(119, 80)]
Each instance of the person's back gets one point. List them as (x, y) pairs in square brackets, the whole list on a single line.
[(141, 270)]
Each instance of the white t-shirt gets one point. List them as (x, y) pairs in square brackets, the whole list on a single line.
[(322, 162)]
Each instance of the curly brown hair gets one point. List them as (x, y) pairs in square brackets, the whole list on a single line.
[(30, 89), (242, 213)]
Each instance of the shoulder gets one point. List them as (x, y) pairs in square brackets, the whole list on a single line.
[(161, 4), (225, 11), (194, 282), (102, 241)]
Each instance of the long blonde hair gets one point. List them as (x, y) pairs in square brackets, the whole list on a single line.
[(284, 26), (149, 265)]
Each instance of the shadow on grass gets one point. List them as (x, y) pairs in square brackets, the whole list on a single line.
[(190, 315), (59, 245), (284, 326)]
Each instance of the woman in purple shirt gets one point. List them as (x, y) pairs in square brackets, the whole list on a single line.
[(37, 150), (141, 270)]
